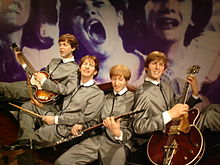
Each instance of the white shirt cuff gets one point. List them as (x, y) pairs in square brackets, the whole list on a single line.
[(24, 66), (56, 119), (120, 137), (166, 117), (43, 80), (195, 97)]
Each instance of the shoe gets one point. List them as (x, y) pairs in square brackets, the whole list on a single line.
[(21, 144)]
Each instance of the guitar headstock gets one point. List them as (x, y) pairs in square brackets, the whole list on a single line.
[(15, 47), (193, 69)]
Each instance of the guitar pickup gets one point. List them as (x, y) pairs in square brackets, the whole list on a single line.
[(174, 130), (42, 97)]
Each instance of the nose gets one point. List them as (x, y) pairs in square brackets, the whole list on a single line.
[(88, 65), (90, 9), (169, 6), (157, 66)]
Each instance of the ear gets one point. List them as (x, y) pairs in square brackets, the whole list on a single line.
[(192, 23), (73, 49), (120, 17), (95, 73), (146, 69)]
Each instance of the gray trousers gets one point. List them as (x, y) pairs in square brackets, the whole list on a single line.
[(210, 118), (97, 147), (14, 90), (45, 135)]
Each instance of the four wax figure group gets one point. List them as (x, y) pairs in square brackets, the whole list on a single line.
[(83, 105)]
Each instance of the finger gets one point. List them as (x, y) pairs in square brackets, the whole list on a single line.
[(73, 131), (118, 120)]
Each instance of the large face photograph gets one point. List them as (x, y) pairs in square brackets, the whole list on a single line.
[(117, 32)]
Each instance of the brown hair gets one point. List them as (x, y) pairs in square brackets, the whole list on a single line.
[(94, 58), (71, 39), (120, 70), (156, 55)]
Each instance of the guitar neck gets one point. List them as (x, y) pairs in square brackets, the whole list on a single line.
[(27, 62), (117, 117), (184, 93), (17, 51)]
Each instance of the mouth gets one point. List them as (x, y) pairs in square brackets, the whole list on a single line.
[(95, 31), (156, 72), (166, 23)]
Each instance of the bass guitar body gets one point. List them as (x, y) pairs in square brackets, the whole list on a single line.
[(177, 148), (41, 95)]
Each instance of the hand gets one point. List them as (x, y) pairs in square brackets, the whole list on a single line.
[(191, 79), (178, 110), (76, 129), (113, 126), (19, 57), (39, 76), (35, 102), (48, 119)]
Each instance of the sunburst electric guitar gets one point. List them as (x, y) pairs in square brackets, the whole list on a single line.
[(182, 143), (41, 95)]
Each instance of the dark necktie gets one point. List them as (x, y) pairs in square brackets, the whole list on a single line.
[(73, 94), (161, 90), (61, 61), (113, 102)]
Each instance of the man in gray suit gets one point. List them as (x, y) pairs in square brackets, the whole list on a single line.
[(81, 107), (62, 80), (62, 73), (158, 99), (109, 146), (160, 104)]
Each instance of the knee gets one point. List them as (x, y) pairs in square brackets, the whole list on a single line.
[(213, 107), (62, 160), (27, 105)]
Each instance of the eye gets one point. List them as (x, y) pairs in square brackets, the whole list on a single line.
[(98, 4)]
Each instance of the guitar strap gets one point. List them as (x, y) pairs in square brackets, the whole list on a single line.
[(161, 90), (61, 61), (113, 103), (29, 86)]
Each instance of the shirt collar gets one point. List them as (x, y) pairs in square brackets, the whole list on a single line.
[(152, 81), (121, 92), (88, 83), (66, 60)]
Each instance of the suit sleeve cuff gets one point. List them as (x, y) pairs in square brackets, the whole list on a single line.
[(43, 80), (195, 97)]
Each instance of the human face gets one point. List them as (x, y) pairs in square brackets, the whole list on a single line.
[(65, 49), (155, 69), (87, 69), (95, 22), (14, 13), (168, 19), (118, 83)]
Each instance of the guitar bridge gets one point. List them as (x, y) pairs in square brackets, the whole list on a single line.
[(169, 152)]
